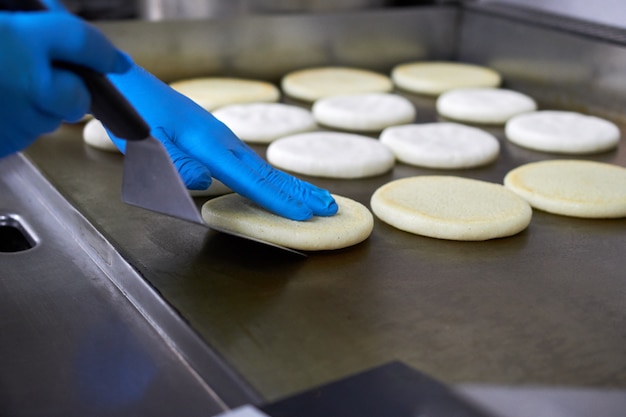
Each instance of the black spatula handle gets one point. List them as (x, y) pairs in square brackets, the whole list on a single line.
[(107, 104)]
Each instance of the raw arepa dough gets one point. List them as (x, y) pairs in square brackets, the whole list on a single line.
[(315, 83), (331, 155), (365, 112), (94, 134), (571, 187), (436, 77), (452, 208), (441, 145), (352, 224), (214, 92), (562, 132), (484, 105), (265, 122)]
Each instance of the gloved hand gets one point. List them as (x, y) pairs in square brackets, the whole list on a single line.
[(37, 97), (201, 146)]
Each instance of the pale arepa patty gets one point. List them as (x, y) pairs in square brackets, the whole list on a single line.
[(484, 105), (364, 112), (572, 187), (331, 155), (315, 83), (436, 77), (214, 92), (265, 122), (441, 145), (563, 132), (352, 224), (449, 207)]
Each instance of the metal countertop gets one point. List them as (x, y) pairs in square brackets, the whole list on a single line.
[(73, 343), (544, 307)]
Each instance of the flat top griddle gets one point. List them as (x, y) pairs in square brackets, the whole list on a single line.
[(543, 307)]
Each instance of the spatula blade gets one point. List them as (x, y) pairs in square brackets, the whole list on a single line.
[(150, 181)]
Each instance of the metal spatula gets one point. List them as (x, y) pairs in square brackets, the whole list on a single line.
[(150, 179)]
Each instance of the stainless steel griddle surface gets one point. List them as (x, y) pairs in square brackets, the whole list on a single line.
[(543, 307)]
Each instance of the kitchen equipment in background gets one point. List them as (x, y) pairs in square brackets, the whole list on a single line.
[(195, 9)]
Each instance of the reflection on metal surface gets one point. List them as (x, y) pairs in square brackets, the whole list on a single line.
[(609, 12), (201, 9), (576, 66), (268, 46), (82, 333)]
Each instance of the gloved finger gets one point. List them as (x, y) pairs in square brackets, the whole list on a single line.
[(70, 39), (320, 201), (247, 174), (242, 179), (194, 174), (66, 96)]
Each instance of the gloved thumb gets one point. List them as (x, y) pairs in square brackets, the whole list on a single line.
[(194, 174)]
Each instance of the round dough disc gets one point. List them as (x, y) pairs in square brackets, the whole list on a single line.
[(434, 78), (352, 224), (94, 134), (331, 155), (572, 188), (562, 132), (214, 92), (315, 83), (366, 112), (265, 122), (441, 145), (484, 105), (452, 208)]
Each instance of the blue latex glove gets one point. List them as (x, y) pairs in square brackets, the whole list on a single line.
[(35, 96), (201, 146)]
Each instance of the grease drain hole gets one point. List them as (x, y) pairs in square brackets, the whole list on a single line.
[(13, 235)]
